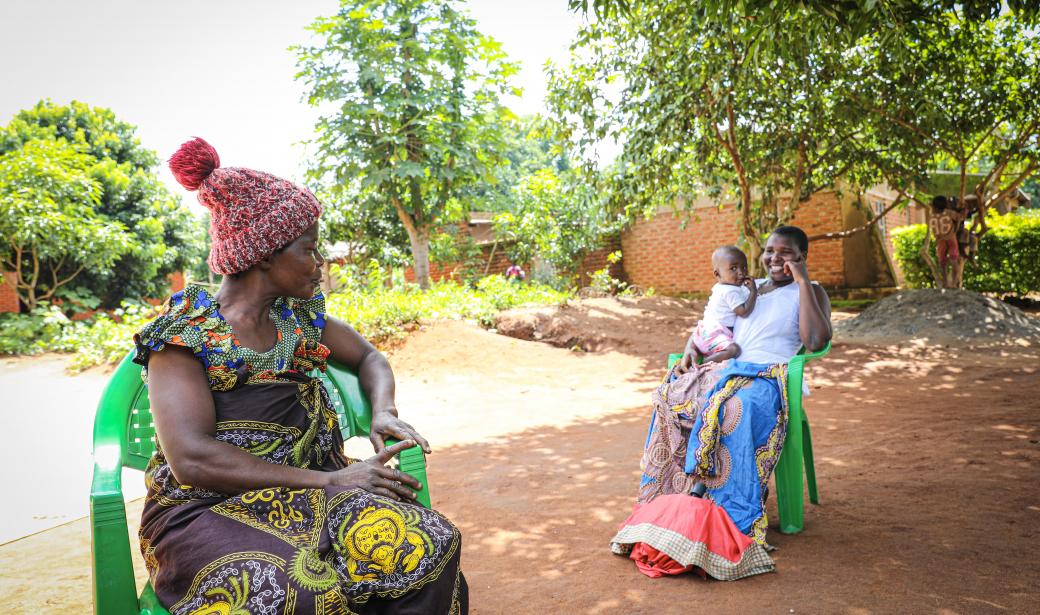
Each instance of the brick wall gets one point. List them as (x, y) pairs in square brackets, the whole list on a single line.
[(593, 261), (662, 254), (8, 295), (597, 259), (453, 271)]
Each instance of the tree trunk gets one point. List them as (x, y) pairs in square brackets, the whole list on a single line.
[(420, 240), (419, 236)]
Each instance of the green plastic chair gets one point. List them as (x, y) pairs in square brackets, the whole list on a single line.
[(797, 454), (124, 436)]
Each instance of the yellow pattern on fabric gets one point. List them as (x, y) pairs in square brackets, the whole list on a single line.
[(708, 436), (768, 454), (377, 538), (209, 568), (311, 572), (281, 514), (331, 602), (231, 604)]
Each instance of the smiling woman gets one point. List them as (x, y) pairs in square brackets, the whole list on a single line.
[(717, 430), (252, 505)]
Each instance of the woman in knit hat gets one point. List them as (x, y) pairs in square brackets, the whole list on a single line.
[(252, 505)]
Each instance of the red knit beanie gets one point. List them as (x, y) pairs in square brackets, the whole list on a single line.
[(252, 213)]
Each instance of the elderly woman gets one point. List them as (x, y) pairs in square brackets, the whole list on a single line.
[(252, 506), (717, 431)]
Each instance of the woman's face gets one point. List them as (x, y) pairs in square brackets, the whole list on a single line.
[(296, 270), (779, 249)]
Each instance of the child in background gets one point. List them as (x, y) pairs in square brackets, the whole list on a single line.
[(733, 295)]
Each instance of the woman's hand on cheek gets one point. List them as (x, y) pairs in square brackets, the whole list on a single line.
[(386, 425), (797, 270)]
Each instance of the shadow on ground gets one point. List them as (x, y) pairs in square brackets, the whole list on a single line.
[(926, 463)]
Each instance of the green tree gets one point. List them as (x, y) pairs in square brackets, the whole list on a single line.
[(167, 237), (765, 102), (528, 146), (703, 106), (955, 94), (417, 120), (50, 228), (556, 218)]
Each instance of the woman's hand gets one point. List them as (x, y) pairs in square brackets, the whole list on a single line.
[(373, 476), (385, 424), (797, 270)]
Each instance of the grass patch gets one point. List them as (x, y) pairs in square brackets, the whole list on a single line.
[(852, 305)]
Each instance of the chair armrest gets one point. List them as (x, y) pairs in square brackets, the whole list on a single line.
[(358, 415), (412, 461), (797, 363)]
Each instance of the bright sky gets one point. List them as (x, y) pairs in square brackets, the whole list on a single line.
[(220, 70)]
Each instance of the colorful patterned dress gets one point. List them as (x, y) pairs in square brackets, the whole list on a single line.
[(280, 550)]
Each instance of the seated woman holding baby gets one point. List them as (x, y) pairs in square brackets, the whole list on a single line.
[(718, 426)]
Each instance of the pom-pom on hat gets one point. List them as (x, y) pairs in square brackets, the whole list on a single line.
[(253, 214)]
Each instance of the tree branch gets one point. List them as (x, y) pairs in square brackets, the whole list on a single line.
[(859, 229)]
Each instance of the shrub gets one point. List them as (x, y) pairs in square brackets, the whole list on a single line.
[(1008, 261), (106, 339), (40, 331), (380, 313), (102, 339)]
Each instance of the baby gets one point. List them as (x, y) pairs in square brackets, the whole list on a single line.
[(733, 295)]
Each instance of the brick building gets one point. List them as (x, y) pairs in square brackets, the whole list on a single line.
[(673, 258), (8, 295), (493, 257)]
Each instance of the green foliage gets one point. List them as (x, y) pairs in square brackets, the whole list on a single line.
[(103, 339), (558, 219), (415, 90), (161, 236), (50, 229), (528, 147), (951, 94), (380, 314), (33, 333), (1008, 261), (708, 102), (766, 103)]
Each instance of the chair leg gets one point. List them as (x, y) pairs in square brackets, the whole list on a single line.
[(789, 484), (810, 466)]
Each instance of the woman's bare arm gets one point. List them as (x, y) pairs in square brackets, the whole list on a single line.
[(377, 381), (185, 423), (814, 308)]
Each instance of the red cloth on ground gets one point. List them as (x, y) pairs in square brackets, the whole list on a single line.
[(694, 530)]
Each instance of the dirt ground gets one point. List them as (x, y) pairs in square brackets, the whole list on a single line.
[(927, 461)]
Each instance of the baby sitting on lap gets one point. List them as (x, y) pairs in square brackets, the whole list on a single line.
[(733, 295)]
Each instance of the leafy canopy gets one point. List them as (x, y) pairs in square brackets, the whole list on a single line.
[(413, 119), (51, 231), (165, 236)]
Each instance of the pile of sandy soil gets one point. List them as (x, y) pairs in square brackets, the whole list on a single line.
[(642, 326), (940, 317)]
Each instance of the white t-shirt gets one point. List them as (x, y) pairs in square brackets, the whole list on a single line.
[(719, 311), (769, 334)]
